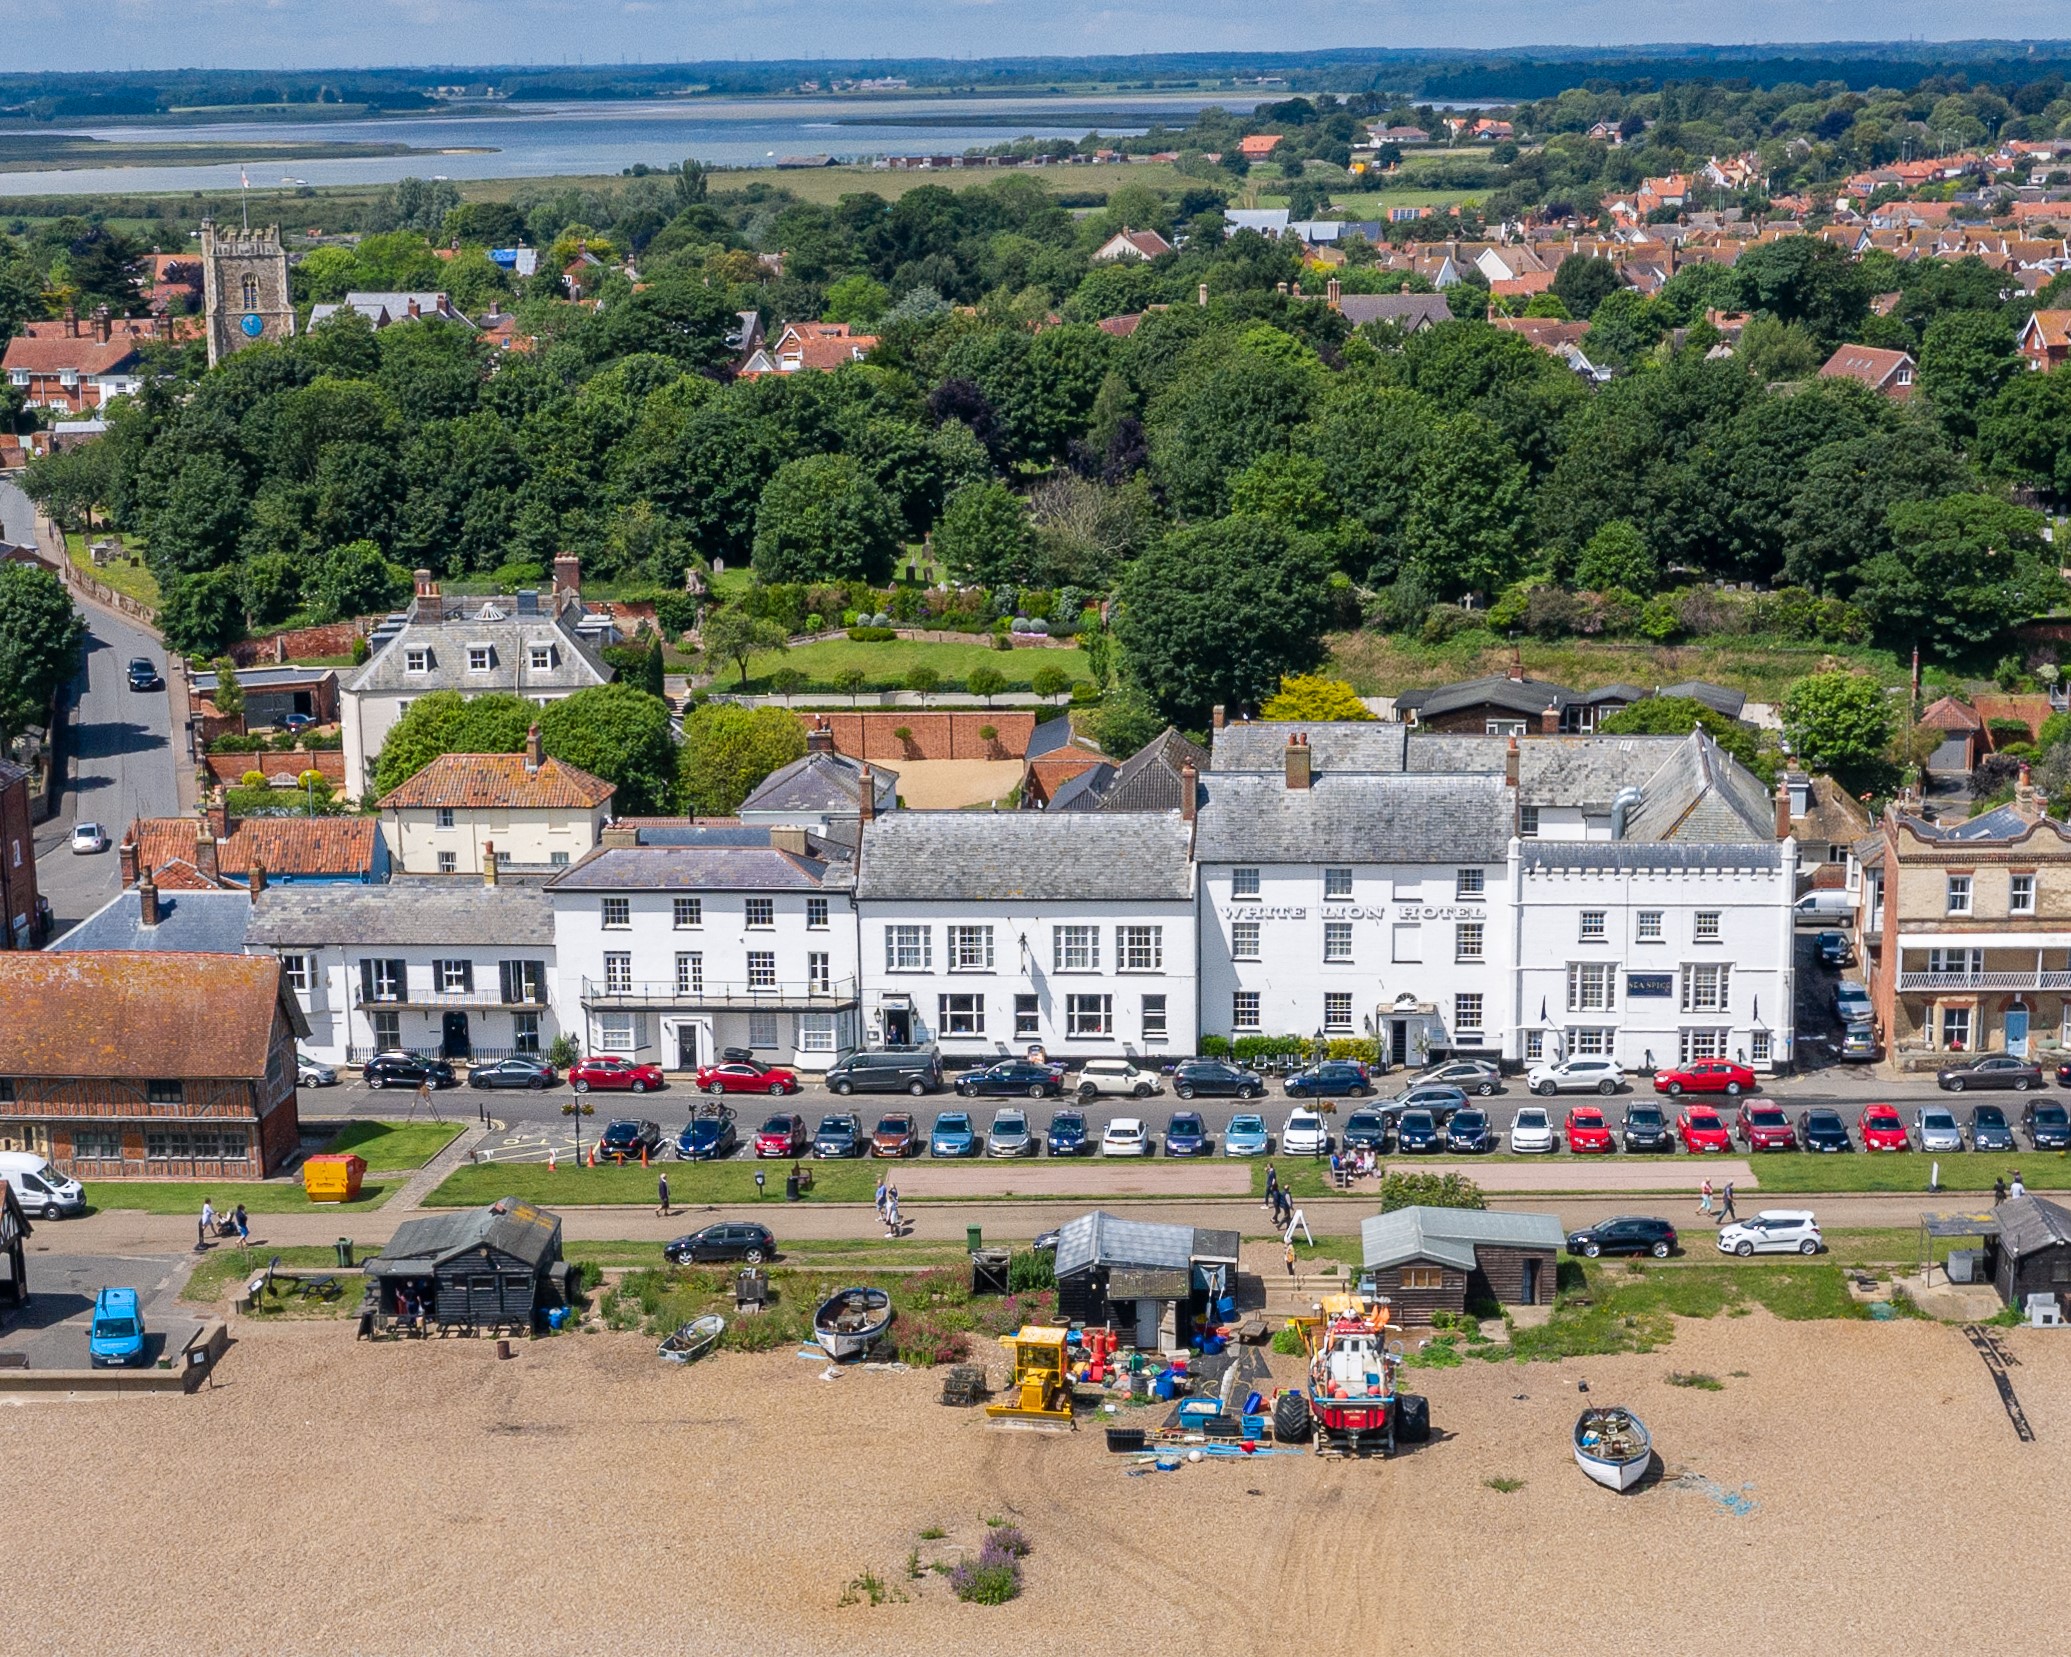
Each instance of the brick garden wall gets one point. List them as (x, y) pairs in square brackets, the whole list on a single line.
[(951, 735)]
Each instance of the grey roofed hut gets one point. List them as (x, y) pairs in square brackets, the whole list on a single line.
[(1438, 1259), (482, 1268), (1127, 1272), (2032, 1253)]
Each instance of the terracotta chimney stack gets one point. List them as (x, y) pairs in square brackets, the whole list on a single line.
[(257, 877), (205, 848), (412, 308), (1299, 771), (535, 750), (866, 801), (2024, 794), (1189, 791), (102, 327), (219, 816), (126, 859), (1516, 668), (491, 873), (567, 576), (71, 323), (148, 912), (1783, 811), (1510, 764), (820, 739)]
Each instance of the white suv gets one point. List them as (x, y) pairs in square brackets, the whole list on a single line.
[(1117, 1077), (1578, 1075), (1304, 1135), (1773, 1231), (1532, 1131)]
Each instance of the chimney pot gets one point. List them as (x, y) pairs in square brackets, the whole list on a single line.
[(491, 873), (71, 323), (535, 750), (820, 739), (414, 312), (1516, 669), (148, 912), (1189, 791), (102, 327), (1333, 290)]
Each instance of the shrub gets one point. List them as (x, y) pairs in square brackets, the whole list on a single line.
[(253, 779), (236, 742), (1215, 1047), (675, 613), (1363, 1049), (562, 1052), (2055, 729), (1287, 1341), (983, 1584), (1001, 640), (872, 635), (1031, 1270), (1400, 1190), (1084, 692), (2005, 730)]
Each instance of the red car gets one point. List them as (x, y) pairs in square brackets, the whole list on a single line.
[(604, 1071), (746, 1076), (783, 1135), (1764, 1127), (1588, 1133), (1882, 1130), (1706, 1076), (1701, 1130)]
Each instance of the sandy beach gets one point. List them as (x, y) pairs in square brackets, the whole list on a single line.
[(1854, 1486)]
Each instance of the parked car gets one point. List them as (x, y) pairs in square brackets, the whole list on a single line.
[(628, 1139), (1417, 1130), (1305, 1135), (1834, 949), (40, 1188), (1117, 1079), (2064, 1074), (1477, 1076), (1882, 1129), (1823, 1130), (1532, 1131), (895, 1135), (1628, 1234), (608, 1072), (1441, 1099), (749, 1076), (117, 1334), (782, 1135), (1989, 1130), (1247, 1135), (1858, 1042), (2047, 1126), (1332, 1079), (1586, 1074), (1125, 1136), (534, 1074), (1469, 1132), (1645, 1128), (1067, 1134), (953, 1135), (1213, 1079), (1990, 1070), (1700, 1130), (406, 1070), (1009, 1135), (297, 723), (1773, 1231), (89, 837), (837, 1136), (1937, 1129), (709, 1135), (1764, 1127), (1187, 1135), (917, 1071), (1010, 1078), (1588, 1134), (143, 674), (308, 1073), (729, 1240), (1852, 1002), (1706, 1076), (1366, 1130)]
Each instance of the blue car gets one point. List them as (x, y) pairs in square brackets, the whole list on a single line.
[(1187, 1135), (1067, 1135), (1246, 1136), (952, 1136), (1469, 1131), (708, 1136), (118, 1328), (838, 1136), (1332, 1079), (1417, 1130)]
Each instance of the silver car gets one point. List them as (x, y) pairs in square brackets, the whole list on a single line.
[(1476, 1076), (1937, 1129), (1010, 1136)]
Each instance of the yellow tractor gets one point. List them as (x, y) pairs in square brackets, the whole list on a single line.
[(1039, 1392)]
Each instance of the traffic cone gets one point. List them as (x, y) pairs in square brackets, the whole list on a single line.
[(550, 1159), (593, 1156), (643, 1156)]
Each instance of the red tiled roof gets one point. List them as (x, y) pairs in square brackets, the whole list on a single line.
[(1120, 326), (137, 1014), (1872, 365), (2053, 328), (498, 782), (47, 354), (1259, 143), (294, 846)]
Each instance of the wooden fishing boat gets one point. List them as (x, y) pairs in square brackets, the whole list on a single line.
[(694, 1339), (849, 1321), (1612, 1447)]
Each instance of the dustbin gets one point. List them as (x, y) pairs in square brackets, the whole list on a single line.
[(791, 1187), (1966, 1265), (974, 1238), (345, 1251)]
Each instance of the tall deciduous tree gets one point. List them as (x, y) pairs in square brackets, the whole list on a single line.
[(732, 635), (1961, 573), (1840, 722), (445, 722), (985, 536), (729, 750), (620, 733), (40, 635), (822, 519)]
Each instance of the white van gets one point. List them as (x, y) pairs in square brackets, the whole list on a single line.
[(40, 1188), (1828, 905)]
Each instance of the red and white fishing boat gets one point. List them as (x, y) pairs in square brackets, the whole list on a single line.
[(1352, 1398)]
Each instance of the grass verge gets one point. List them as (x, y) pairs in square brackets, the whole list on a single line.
[(130, 580), (227, 1271), (274, 1196), (393, 1145), (1605, 1308), (690, 1184), (888, 664)]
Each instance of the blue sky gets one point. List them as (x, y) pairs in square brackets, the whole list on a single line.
[(120, 34)]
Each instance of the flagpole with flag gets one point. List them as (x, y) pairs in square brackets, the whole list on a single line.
[(244, 186)]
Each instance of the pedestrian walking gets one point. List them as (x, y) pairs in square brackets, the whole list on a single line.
[(1998, 1192), (891, 1204), (880, 1196), (2019, 1187), (1287, 1256), (207, 1225), (243, 1223), (1272, 1186), (423, 1096), (1704, 1197), (1726, 1208), (662, 1186)]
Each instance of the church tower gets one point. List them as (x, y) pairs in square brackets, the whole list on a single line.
[(244, 288)]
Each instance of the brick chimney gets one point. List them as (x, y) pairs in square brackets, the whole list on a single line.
[(1189, 791), (866, 801), (218, 810), (71, 323), (1218, 717), (567, 576), (102, 328), (535, 750), (491, 873), (1783, 811), (126, 860), (1510, 764), (1549, 720), (1516, 669), (257, 877), (205, 848), (148, 912), (820, 739), (427, 588), (1298, 760), (2024, 801), (411, 307)]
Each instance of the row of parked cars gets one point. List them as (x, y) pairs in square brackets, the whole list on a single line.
[(1772, 1231)]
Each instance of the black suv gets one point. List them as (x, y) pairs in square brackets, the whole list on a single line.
[(917, 1072), (1366, 1130), (1469, 1131), (1823, 1130), (729, 1240), (1988, 1129), (1646, 1129), (143, 674), (2048, 1126), (407, 1070), (838, 1136), (1214, 1079), (1628, 1234), (628, 1139)]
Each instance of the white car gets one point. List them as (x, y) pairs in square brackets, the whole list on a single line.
[(1937, 1129), (1773, 1231), (1125, 1137), (1576, 1075), (89, 837), (1532, 1131), (1119, 1078), (1304, 1135)]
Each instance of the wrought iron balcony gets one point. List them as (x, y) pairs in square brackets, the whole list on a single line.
[(806, 993)]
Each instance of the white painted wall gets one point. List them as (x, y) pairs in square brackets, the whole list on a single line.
[(342, 1031), (532, 839)]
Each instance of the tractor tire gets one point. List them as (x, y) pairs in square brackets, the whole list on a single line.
[(1412, 1418), (1291, 1423)]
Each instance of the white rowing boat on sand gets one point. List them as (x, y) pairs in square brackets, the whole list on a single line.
[(1612, 1446)]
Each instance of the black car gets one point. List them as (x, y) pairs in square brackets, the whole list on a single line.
[(1834, 949), (838, 1136), (1417, 1130), (1214, 1079), (407, 1070), (1628, 1234), (629, 1139), (535, 1074), (143, 674), (1067, 1134), (1366, 1130), (1187, 1135), (729, 1240), (1823, 1130), (1645, 1128), (1469, 1131), (2048, 1126), (709, 1135), (1332, 1079), (1011, 1078), (1990, 1070), (1989, 1130)]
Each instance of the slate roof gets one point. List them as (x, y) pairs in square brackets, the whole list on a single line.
[(1648, 854), (1450, 1235), (1149, 779), (1048, 737), (727, 865), (496, 623), (498, 782), (1495, 690), (1103, 1239), (1702, 793), (1334, 745), (823, 782), (139, 1014), (425, 912), (1352, 817), (2028, 1225), (1716, 697), (1036, 856), (510, 1227), (1083, 790), (189, 923)]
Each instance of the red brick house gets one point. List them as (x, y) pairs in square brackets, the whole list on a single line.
[(134, 1064), (18, 922), (1889, 372), (73, 366), (819, 346), (2045, 338)]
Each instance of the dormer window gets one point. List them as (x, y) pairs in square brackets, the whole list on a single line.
[(541, 657), (479, 658), (417, 661)]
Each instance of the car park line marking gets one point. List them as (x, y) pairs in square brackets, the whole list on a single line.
[(1997, 1360)]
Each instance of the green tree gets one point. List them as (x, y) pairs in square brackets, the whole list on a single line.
[(1314, 696), (1840, 723), (1836, 519), (729, 750), (924, 680), (1219, 613), (1962, 572), (2021, 433), (271, 586), (985, 536), (620, 733), (1678, 716), (654, 669), (1291, 489), (1467, 511), (40, 635), (850, 682), (355, 580), (1966, 359), (203, 515), (1049, 680), (1209, 425), (445, 722), (822, 519), (201, 615), (732, 635), (1583, 283), (229, 695), (1807, 280), (985, 681), (1617, 556), (858, 300)]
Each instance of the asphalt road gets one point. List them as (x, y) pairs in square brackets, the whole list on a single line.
[(52, 1329)]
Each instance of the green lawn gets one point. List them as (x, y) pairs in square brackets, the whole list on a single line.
[(272, 1196), (392, 1145), (131, 580), (229, 1269), (889, 663), (690, 1184), (1629, 1307)]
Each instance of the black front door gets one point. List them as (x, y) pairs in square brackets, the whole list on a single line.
[(1398, 1041), (1530, 1294), (686, 1047), (456, 1044), (898, 1026)]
